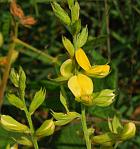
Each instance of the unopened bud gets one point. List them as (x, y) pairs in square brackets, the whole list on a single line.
[(12, 125), (46, 129), (128, 131)]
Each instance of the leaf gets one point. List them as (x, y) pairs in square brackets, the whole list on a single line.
[(75, 12), (14, 77), (61, 13), (70, 138), (116, 125), (63, 101), (70, 3), (23, 141), (82, 37), (22, 82), (68, 45), (15, 101), (63, 119), (37, 100)]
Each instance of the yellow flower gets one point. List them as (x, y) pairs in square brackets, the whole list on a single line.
[(82, 87), (98, 71), (82, 59)]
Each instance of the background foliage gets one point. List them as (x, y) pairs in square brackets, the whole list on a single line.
[(46, 36)]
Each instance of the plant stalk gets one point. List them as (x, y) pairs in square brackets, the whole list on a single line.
[(29, 119), (85, 129), (8, 65)]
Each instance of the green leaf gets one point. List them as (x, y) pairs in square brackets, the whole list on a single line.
[(63, 119), (11, 124), (75, 27), (23, 141), (75, 12), (116, 125), (22, 82), (68, 45), (61, 13), (63, 101), (70, 137), (37, 100), (46, 129), (1, 39), (103, 98), (82, 37), (60, 79), (70, 3), (14, 77), (15, 101)]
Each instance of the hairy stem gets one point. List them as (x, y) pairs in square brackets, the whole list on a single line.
[(85, 129)]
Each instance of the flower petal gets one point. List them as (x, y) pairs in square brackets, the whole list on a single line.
[(66, 68), (74, 86), (86, 84), (99, 71), (82, 59)]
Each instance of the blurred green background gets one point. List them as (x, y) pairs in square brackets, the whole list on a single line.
[(124, 16)]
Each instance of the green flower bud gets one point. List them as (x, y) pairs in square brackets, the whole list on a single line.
[(128, 132), (46, 129), (12, 125), (107, 139)]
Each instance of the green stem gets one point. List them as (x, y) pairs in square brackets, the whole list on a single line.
[(28, 116), (84, 125), (8, 65), (107, 30), (36, 8), (50, 58)]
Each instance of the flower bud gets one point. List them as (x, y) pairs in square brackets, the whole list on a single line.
[(12, 125), (128, 131), (46, 129), (107, 139)]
